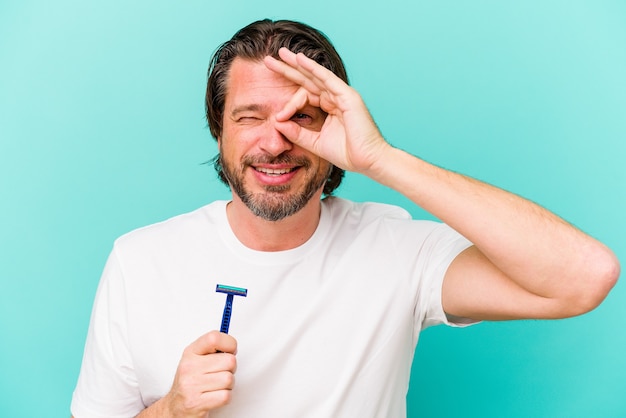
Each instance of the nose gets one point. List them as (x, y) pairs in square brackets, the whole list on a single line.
[(273, 141)]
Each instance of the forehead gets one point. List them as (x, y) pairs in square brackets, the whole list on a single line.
[(251, 82)]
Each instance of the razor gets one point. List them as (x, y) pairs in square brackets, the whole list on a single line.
[(231, 292)]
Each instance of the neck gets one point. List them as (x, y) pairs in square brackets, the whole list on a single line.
[(262, 235)]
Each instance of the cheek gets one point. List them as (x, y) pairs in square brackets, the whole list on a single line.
[(239, 138), (231, 144), (323, 166), (226, 151)]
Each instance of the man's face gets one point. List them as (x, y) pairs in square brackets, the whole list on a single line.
[(273, 177)]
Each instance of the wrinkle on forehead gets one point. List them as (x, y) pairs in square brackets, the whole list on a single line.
[(254, 107), (252, 86)]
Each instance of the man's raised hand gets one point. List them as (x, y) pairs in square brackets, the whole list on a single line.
[(349, 137)]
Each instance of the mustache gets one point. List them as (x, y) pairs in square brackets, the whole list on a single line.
[(302, 161)]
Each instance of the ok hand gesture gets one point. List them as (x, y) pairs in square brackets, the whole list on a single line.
[(349, 137)]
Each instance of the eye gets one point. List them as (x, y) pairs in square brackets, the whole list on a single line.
[(247, 119), (302, 118)]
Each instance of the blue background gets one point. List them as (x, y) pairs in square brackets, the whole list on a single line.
[(102, 131)]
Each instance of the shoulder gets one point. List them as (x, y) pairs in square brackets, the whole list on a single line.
[(175, 229), (384, 223), (340, 208)]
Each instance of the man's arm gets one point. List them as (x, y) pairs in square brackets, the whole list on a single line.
[(525, 263)]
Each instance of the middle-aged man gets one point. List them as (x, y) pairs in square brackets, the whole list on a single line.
[(337, 291)]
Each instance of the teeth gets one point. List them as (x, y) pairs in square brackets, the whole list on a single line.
[(274, 172)]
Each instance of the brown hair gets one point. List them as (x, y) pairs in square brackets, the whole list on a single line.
[(254, 42)]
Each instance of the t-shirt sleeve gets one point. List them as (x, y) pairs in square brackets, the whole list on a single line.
[(107, 385), (438, 251)]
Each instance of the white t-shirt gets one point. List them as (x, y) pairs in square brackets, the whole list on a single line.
[(328, 329)]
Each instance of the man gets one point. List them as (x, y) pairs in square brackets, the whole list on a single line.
[(338, 291)]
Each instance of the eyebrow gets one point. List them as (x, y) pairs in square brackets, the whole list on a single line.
[(247, 108)]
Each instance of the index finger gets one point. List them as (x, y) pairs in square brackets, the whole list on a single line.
[(293, 73), (214, 342), (322, 77)]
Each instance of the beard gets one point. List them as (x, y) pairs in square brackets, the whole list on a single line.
[(276, 202)]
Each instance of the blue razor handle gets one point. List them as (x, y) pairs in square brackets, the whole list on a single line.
[(231, 292)]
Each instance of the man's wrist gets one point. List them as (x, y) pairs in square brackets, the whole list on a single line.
[(159, 409)]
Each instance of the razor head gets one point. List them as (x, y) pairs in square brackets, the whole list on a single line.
[(231, 290)]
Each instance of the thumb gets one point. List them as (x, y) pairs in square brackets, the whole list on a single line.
[(213, 342), (300, 136)]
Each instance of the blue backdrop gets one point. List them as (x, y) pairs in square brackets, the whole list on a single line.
[(102, 131)]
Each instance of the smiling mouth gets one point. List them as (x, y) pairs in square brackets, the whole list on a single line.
[(275, 171)]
